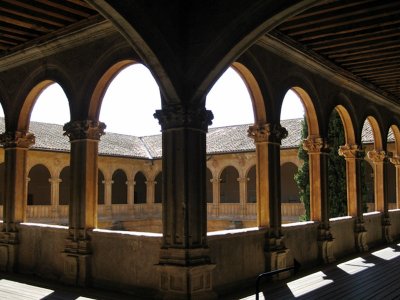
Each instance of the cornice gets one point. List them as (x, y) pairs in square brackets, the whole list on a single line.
[(86, 32), (284, 47)]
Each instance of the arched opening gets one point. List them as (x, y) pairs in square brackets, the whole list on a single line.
[(100, 187), (394, 146), (65, 186), (369, 183), (251, 185), (123, 85), (39, 189), (391, 171), (140, 196), (229, 186), (119, 193), (291, 206), (158, 188), (209, 186)]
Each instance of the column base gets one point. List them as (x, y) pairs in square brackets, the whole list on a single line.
[(386, 230), (186, 282), (277, 256), (77, 259), (8, 250), (360, 234), (325, 245)]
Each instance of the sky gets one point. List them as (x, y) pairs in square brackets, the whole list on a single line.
[(133, 96)]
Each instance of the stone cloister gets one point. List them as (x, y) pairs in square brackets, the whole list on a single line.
[(186, 55)]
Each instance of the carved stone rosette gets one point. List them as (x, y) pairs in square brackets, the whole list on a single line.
[(17, 139), (349, 151), (86, 129), (314, 145), (178, 116), (272, 133), (376, 156)]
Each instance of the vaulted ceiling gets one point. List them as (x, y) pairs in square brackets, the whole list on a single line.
[(360, 38)]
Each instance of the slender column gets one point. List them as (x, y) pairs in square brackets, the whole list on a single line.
[(131, 191), (267, 139), (395, 160), (55, 197), (84, 137), (242, 192), (108, 191), (16, 145), (377, 158), (354, 157), (55, 190), (184, 258), (318, 165), (216, 194), (150, 186)]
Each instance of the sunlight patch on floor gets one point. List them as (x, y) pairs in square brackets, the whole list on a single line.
[(15, 290), (355, 265), (387, 253), (308, 284)]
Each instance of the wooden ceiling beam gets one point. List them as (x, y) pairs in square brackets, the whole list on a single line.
[(380, 54), (361, 46), (367, 62), (17, 31), (40, 9), (60, 6), (31, 16), (381, 49), (24, 24)]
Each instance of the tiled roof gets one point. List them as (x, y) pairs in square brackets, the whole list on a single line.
[(229, 139)]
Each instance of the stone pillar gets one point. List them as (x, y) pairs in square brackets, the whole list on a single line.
[(377, 158), (151, 187), (84, 137), (216, 194), (131, 191), (185, 268), (242, 192), (107, 198), (318, 165), (395, 160), (354, 157), (55, 196), (267, 138), (16, 145)]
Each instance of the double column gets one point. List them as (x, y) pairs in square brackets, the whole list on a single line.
[(16, 145), (317, 149), (84, 137), (354, 157), (185, 268), (267, 138)]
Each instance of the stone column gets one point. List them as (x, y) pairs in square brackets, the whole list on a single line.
[(131, 191), (267, 138), (396, 161), (354, 157), (84, 137), (107, 198), (16, 145), (150, 186), (242, 193), (216, 194), (55, 196), (185, 266), (317, 149)]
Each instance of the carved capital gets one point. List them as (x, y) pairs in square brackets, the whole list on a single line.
[(395, 160), (86, 129), (349, 151), (314, 145), (273, 133), (17, 139), (178, 116), (376, 156)]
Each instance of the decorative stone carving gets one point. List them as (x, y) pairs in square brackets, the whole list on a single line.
[(349, 151), (86, 129), (376, 156), (314, 145), (17, 139), (325, 243), (272, 133), (177, 116), (395, 160)]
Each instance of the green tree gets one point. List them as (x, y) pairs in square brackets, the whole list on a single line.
[(337, 189), (302, 176)]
